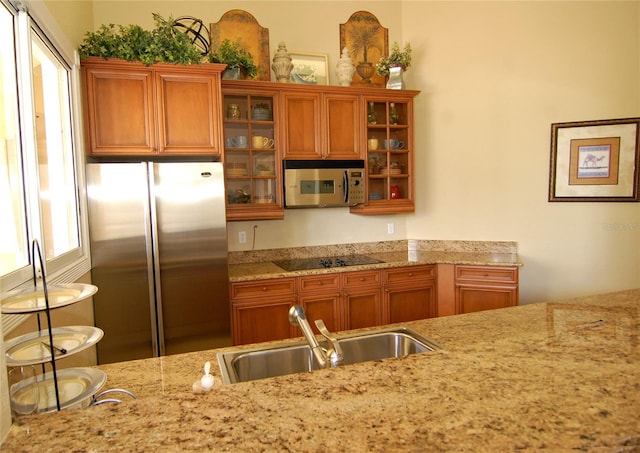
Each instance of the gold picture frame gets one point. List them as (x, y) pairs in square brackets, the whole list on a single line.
[(595, 160)]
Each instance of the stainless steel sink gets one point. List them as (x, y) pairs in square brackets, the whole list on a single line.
[(242, 365)]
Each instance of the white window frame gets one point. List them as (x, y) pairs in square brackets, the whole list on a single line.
[(72, 265)]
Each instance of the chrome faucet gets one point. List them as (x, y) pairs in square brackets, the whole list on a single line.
[(327, 357)]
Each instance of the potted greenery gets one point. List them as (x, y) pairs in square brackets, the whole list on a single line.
[(237, 59), (163, 44), (397, 58)]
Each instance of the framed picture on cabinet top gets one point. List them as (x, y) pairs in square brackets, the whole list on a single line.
[(367, 40), (595, 160), (309, 68)]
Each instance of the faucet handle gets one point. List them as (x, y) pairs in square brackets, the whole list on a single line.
[(335, 352)]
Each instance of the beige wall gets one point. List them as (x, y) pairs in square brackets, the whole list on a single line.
[(494, 76), (74, 17)]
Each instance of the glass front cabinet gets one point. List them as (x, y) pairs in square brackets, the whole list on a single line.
[(389, 155), (251, 155), (261, 128)]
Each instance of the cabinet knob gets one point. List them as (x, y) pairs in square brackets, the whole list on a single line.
[(264, 288), (410, 274)]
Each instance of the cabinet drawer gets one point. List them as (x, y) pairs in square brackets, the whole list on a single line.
[(487, 274), (358, 279), (263, 288), (315, 283), (409, 274)]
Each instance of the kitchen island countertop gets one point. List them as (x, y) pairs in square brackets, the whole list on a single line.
[(561, 375)]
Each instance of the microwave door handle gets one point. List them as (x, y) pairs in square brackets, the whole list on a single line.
[(345, 183)]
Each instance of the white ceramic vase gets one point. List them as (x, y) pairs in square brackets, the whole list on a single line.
[(345, 68)]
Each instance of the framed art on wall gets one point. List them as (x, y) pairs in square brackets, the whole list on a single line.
[(594, 160)]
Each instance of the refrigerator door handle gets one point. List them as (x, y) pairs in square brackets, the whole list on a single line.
[(157, 329)]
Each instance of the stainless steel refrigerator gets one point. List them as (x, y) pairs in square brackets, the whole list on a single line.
[(159, 258)]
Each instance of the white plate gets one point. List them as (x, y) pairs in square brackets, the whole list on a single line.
[(75, 386), (31, 349), (32, 299)]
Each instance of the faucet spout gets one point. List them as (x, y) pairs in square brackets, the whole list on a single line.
[(326, 358)]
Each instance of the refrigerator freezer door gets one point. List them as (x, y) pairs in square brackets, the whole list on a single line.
[(159, 258), (118, 197), (191, 241)]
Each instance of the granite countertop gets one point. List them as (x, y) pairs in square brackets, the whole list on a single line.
[(260, 265), (561, 375)]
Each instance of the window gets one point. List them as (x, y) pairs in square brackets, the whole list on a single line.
[(38, 170), (58, 203), (13, 229)]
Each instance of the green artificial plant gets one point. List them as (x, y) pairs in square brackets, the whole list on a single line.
[(234, 56), (163, 44)]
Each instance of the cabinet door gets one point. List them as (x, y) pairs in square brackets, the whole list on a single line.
[(267, 320), (410, 293), (362, 308), (321, 306), (301, 125), (119, 111), (471, 298), (411, 303), (252, 168), (342, 127), (362, 299), (319, 295), (187, 111), (260, 310), (387, 122)]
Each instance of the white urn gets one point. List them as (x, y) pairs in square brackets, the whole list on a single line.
[(345, 68)]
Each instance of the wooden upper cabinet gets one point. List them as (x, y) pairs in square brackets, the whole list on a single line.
[(321, 125), (320, 122), (118, 108), (301, 125), (188, 113), (388, 122), (342, 126), (132, 109)]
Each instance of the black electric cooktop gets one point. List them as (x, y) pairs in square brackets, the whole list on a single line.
[(303, 264)]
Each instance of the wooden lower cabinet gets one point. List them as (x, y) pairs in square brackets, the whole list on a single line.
[(362, 299), (257, 322), (319, 295), (260, 310), (358, 299), (410, 293), (480, 288)]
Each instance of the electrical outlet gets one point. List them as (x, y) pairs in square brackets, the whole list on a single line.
[(391, 228), (242, 237)]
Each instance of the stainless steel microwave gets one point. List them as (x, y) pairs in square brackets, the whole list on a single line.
[(323, 183)]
